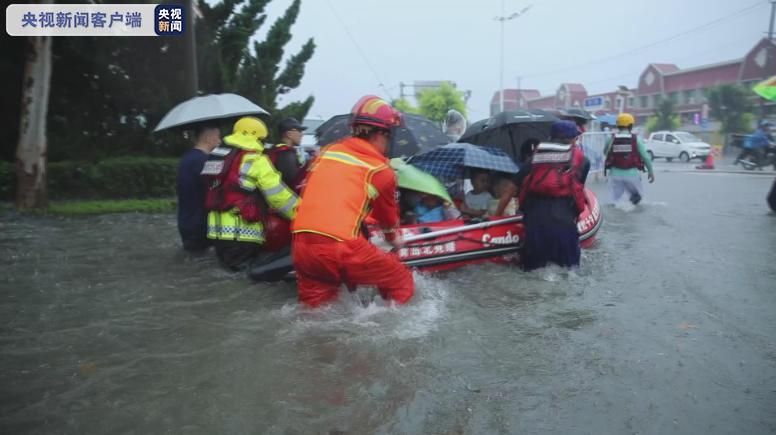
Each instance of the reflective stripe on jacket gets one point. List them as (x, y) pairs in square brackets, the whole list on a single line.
[(255, 176), (347, 182)]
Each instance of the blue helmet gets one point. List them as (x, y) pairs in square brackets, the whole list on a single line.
[(564, 130)]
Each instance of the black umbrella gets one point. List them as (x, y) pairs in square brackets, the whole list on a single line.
[(418, 135), (509, 130), (577, 113)]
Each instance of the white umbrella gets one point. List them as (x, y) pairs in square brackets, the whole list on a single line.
[(207, 108)]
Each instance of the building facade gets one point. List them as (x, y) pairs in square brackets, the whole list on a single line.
[(686, 87)]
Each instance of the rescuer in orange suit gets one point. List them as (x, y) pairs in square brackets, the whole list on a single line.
[(350, 180)]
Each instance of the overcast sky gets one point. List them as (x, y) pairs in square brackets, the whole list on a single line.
[(555, 41)]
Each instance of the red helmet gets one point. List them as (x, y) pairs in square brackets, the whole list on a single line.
[(374, 111)]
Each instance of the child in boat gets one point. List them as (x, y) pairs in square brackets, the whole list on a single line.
[(432, 209), (499, 188), (477, 200)]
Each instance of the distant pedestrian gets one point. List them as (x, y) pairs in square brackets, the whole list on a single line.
[(626, 155)]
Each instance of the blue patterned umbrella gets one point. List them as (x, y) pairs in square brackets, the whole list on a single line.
[(448, 162)]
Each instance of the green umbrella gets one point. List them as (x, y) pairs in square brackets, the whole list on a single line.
[(412, 178), (766, 89)]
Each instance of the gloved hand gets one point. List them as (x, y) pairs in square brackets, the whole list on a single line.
[(651, 177)]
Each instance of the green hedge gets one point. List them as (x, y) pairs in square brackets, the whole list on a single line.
[(124, 177), (89, 207), (7, 180)]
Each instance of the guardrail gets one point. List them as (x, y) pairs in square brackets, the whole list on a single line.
[(593, 144)]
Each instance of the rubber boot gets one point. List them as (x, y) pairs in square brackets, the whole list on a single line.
[(635, 199)]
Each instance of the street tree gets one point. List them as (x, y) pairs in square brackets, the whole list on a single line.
[(435, 103), (664, 118), (31, 148), (261, 79), (731, 105), (403, 105)]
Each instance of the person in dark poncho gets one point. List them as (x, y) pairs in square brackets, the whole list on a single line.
[(192, 216), (551, 198)]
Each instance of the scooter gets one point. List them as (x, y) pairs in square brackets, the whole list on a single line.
[(759, 161)]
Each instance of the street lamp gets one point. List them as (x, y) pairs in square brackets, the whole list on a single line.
[(501, 19), (623, 93)]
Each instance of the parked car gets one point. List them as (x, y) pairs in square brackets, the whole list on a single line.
[(677, 145)]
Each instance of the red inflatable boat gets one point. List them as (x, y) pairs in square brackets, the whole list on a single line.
[(450, 244)]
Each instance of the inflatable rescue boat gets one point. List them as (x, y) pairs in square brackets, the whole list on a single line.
[(451, 244)]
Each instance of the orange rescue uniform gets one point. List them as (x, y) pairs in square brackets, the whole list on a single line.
[(349, 181)]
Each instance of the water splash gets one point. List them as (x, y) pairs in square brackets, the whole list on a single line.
[(365, 311)]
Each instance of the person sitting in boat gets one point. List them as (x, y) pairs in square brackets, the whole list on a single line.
[(476, 201), (512, 185), (500, 188), (431, 208)]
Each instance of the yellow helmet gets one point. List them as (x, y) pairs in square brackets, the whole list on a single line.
[(248, 132), (625, 120), (251, 126)]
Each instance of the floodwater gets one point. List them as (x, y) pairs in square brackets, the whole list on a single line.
[(668, 328)]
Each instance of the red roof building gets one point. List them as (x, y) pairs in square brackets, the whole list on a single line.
[(514, 99), (687, 87)]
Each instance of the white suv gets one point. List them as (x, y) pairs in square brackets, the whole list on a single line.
[(677, 145)]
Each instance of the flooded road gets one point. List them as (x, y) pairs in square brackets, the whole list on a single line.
[(669, 328)]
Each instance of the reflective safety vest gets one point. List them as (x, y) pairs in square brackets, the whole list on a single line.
[(344, 182), (242, 187), (554, 173), (274, 154), (624, 152)]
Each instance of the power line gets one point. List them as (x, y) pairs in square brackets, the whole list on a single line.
[(360, 51), (650, 45)]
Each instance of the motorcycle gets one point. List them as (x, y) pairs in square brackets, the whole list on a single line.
[(760, 160)]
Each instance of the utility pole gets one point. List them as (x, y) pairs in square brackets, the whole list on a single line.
[(769, 62), (519, 98), (190, 77), (773, 15), (501, 20)]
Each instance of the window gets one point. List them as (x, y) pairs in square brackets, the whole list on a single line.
[(674, 96), (643, 102), (630, 101), (700, 95), (658, 136), (607, 103), (671, 139), (687, 137), (689, 97), (656, 100)]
